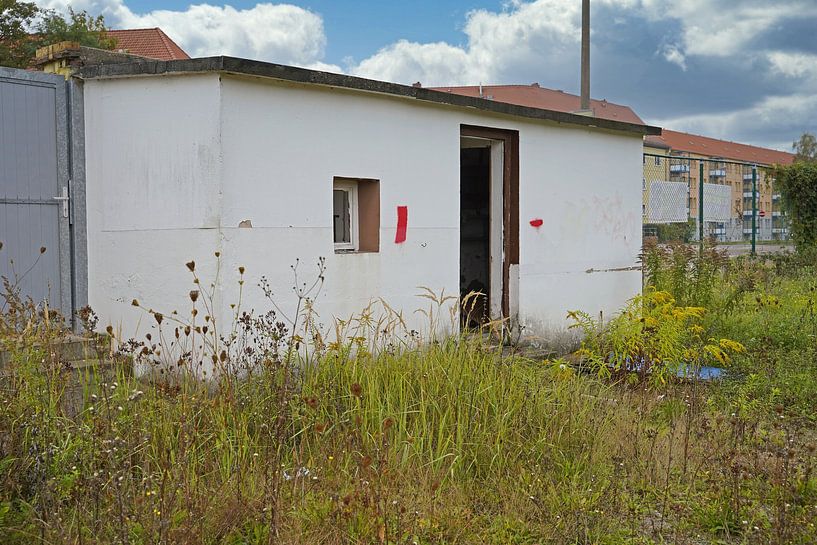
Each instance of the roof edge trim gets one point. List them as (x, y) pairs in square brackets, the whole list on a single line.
[(303, 75)]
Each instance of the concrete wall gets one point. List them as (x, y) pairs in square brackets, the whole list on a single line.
[(176, 163), (153, 175)]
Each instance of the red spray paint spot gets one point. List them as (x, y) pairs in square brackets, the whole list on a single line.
[(402, 224), (536, 222)]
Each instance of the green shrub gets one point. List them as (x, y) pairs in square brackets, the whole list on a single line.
[(798, 187), (685, 273)]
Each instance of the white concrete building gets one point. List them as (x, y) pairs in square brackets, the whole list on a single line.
[(396, 187)]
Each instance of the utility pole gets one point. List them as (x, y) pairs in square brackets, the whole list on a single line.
[(585, 104)]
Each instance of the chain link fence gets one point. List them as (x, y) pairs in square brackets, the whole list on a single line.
[(737, 201)]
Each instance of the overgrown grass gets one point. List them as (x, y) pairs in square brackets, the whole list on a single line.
[(444, 441)]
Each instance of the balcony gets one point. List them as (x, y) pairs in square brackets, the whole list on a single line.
[(780, 230), (748, 213), (717, 173), (747, 177), (747, 194), (677, 169)]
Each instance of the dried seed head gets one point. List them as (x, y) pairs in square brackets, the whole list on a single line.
[(191, 265), (187, 330), (194, 295), (218, 254), (148, 336), (135, 303), (158, 316), (109, 330), (223, 356), (356, 389), (42, 249), (241, 270)]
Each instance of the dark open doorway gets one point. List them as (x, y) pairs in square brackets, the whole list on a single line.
[(475, 230), (489, 223)]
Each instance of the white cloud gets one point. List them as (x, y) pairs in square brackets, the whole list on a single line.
[(280, 33), (770, 116), (525, 34), (709, 28), (793, 65), (545, 33), (672, 54)]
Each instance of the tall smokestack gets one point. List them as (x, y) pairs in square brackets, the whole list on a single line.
[(585, 106)]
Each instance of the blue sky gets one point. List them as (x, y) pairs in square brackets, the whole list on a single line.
[(742, 70)]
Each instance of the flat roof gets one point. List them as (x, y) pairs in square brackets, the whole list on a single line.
[(282, 72)]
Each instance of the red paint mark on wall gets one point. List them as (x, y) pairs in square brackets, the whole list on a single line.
[(536, 222), (402, 224)]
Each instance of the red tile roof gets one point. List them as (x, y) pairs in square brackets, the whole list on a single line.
[(535, 96), (152, 43), (712, 147)]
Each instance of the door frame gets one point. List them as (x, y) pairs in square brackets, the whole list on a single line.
[(510, 201)]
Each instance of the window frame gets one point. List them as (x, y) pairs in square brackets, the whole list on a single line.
[(351, 188)]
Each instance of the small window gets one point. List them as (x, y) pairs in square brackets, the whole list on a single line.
[(356, 214), (657, 160), (344, 215)]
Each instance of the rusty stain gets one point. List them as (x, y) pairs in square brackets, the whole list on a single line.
[(619, 269)]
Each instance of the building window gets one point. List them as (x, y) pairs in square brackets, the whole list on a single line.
[(657, 160), (356, 214)]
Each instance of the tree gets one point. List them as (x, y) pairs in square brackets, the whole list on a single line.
[(798, 186), (25, 27), (79, 27), (16, 19), (805, 149)]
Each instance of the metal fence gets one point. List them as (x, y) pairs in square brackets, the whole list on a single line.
[(737, 201)]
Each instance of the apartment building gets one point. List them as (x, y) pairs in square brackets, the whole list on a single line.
[(727, 171)]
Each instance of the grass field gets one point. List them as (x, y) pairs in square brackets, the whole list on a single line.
[(449, 442)]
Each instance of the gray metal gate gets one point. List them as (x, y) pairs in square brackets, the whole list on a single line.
[(34, 182)]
